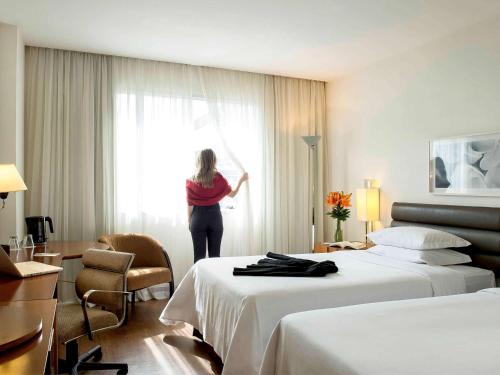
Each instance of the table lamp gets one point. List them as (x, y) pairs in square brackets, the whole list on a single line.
[(10, 181), (368, 206)]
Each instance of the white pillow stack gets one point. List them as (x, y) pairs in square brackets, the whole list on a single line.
[(419, 245)]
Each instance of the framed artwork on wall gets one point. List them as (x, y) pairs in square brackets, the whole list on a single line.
[(467, 165)]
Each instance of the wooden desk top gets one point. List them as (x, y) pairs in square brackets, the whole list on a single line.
[(30, 357), (70, 249), (43, 286), (19, 325), (30, 288)]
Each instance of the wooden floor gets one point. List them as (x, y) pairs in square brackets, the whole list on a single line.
[(149, 347)]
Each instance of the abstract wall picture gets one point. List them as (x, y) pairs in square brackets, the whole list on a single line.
[(467, 165)]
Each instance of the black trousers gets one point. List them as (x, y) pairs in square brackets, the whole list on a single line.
[(206, 229)]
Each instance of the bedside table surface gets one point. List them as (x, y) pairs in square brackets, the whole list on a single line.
[(324, 248)]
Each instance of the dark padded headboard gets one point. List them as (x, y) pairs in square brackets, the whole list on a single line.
[(478, 225)]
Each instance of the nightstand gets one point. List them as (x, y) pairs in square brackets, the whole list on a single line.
[(323, 248)]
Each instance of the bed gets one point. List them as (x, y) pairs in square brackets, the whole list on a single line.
[(443, 335), (238, 314)]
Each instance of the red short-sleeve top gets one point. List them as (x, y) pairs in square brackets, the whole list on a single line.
[(197, 195)]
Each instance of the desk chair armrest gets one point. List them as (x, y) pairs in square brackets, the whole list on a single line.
[(85, 298)]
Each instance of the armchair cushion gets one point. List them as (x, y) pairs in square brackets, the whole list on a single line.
[(143, 277), (71, 322)]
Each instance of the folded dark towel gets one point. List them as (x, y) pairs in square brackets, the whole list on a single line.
[(273, 258), (283, 265)]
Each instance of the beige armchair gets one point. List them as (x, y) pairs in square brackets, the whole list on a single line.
[(103, 283), (151, 265)]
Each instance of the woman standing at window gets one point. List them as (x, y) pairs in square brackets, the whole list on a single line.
[(204, 191)]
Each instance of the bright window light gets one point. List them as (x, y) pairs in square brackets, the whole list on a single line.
[(157, 138)]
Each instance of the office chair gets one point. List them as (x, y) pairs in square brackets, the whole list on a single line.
[(103, 283)]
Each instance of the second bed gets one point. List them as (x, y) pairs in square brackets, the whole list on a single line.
[(445, 335)]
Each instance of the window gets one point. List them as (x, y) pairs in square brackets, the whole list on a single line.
[(157, 141)]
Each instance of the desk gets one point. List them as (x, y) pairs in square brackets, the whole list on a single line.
[(31, 357), (70, 249), (38, 292), (30, 288)]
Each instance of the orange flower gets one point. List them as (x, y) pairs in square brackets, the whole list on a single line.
[(333, 198), (345, 200), (338, 198)]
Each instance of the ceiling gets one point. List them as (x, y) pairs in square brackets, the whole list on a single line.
[(317, 39)]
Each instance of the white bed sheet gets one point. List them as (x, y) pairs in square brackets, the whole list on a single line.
[(237, 314), (446, 335), (476, 278)]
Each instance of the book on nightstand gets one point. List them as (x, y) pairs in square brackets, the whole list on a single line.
[(347, 245)]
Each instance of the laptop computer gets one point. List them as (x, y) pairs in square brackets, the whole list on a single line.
[(24, 269)]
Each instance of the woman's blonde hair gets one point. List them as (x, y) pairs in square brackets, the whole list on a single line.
[(205, 168)]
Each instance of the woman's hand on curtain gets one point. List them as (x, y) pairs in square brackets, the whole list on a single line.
[(243, 178)]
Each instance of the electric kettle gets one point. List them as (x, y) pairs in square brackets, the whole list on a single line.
[(36, 227)]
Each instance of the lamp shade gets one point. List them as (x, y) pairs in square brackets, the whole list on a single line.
[(10, 179), (311, 140), (368, 204)]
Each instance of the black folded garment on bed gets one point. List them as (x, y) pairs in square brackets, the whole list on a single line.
[(283, 265)]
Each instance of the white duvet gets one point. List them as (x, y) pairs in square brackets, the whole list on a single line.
[(237, 314), (452, 335)]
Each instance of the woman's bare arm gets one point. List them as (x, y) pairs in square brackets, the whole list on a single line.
[(190, 213), (243, 178)]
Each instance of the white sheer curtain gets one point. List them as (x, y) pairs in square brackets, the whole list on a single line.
[(164, 114), (237, 104), (111, 141)]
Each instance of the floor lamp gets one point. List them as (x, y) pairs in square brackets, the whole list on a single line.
[(312, 141)]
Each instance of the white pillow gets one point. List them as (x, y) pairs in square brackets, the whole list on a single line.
[(438, 257), (418, 238)]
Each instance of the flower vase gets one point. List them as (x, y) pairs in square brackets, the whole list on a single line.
[(339, 235)]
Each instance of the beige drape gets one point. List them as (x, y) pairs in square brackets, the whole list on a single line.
[(69, 141), (73, 123), (295, 107)]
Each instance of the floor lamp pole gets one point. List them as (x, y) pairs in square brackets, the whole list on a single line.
[(312, 142), (315, 180)]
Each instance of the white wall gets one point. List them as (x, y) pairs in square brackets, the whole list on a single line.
[(381, 119), (12, 123)]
